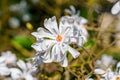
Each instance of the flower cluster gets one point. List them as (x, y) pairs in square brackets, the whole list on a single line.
[(52, 42), (104, 69), (109, 74), (16, 70)]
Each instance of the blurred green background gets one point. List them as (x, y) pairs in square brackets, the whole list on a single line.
[(18, 18)]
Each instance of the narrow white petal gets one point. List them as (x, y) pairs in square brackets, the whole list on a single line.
[(4, 71), (64, 62), (42, 33), (40, 46), (99, 71), (29, 65), (47, 57), (116, 8), (83, 20), (118, 65), (73, 52), (81, 40), (48, 43), (22, 65), (68, 11), (58, 53), (73, 9), (84, 31), (63, 48), (2, 59), (63, 24), (29, 77), (37, 47), (51, 25), (15, 73)]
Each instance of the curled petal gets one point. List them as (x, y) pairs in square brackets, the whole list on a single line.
[(22, 65), (29, 77), (15, 73), (47, 57), (64, 62), (4, 71), (99, 71), (116, 8), (42, 33), (51, 25), (73, 52), (118, 65)]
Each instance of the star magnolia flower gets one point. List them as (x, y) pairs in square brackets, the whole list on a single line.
[(25, 72), (55, 41), (116, 8)]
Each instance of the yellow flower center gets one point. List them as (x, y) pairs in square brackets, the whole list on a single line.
[(59, 38), (117, 78)]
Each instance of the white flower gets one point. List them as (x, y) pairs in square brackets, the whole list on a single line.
[(116, 8), (24, 71), (26, 17), (14, 22), (56, 40), (9, 57), (106, 74), (105, 61), (20, 7), (77, 23), (4, 70)]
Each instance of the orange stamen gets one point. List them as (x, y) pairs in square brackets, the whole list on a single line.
[(117, 78), (59, 38)]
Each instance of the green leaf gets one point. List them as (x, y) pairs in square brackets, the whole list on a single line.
[(24, 41)]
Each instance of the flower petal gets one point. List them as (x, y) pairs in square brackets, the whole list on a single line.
[(51, 25), (81, 40), (68, 11), (63, 24), (42, 33), (116, 8), (22, 65), (4, 71), (83, 20), (39, 46), (47, 57), (2, 59), (29, 77), (64, 62), (58, 53), (118, 65), (15, 73), (99, 71), (72, 9), (106, 60), (73, 52)]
